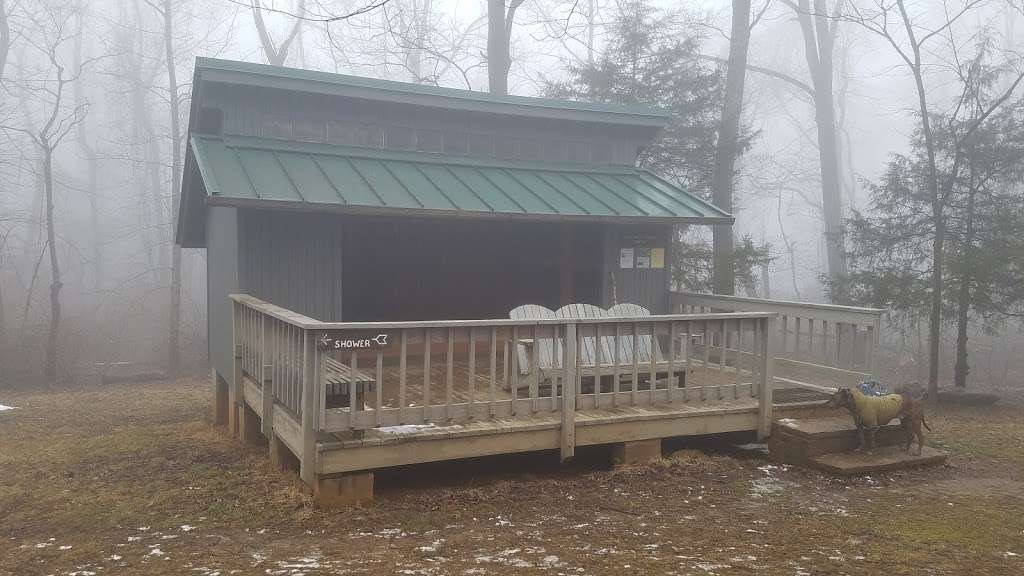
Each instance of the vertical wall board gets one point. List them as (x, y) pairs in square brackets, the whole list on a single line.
[(222, 277), (294, 260)]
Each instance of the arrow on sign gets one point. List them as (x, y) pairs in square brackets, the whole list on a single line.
[(324, 340), (381, 339)]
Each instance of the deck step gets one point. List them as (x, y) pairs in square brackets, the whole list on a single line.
[(885, 459), (795, 441)]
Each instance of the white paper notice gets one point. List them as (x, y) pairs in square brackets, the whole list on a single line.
[(625, 258)]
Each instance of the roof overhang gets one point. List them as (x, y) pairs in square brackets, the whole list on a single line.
[(246, 172)]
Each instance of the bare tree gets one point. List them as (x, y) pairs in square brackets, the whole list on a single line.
[(724, 279), (499, 38), (165, 8), (818, 27), (50, 31), (276, 54), (91, 158)]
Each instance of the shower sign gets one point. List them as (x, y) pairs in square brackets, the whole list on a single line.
[(353, 341)]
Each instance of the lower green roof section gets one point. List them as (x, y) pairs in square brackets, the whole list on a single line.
[(245, 170)]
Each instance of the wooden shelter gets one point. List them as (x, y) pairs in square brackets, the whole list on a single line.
[(337, 209)]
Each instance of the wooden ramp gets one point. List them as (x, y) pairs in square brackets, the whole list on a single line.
[(828, 444)]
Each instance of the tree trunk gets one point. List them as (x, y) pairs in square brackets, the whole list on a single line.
[(276, 55), (498, 59), (174, 323), (963, 303), (722, 184), (92, 162), (5, 37), (818, 51), (50, 367)]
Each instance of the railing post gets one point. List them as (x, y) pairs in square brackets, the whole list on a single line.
[(764, 408), (568, 444), (268, 401), (310, 404), (874, 337)]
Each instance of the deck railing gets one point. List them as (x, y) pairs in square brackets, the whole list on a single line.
[(346, 377), (816, 345)]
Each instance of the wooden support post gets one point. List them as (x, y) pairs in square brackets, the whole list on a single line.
[(249, 424), (343, 491), (281, 457), (626, 453), (764, 406), (235, 394), (310, 404), (267, 394), (568, 443), (219, 412)]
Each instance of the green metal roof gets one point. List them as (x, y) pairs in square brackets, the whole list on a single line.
[(248, 73), (253, 171)]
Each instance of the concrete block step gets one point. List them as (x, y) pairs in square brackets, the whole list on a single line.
[(884, 459)]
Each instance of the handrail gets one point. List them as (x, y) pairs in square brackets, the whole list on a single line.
[(308, 323), (832, 312), (816, 342)]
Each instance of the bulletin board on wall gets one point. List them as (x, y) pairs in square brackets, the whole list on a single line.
[(641, 252)]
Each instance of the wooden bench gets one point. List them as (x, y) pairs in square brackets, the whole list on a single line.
[(338, 380)]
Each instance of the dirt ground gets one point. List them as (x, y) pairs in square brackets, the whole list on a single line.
[(132, 479)]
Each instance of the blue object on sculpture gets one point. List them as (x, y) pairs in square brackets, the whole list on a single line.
[(872, 388)]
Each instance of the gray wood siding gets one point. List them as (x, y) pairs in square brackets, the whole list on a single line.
[(222, 280), (316, 117), (293, 260), (647, 287)]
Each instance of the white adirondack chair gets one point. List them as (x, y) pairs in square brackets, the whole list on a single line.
[(549, 351), (645, 345)]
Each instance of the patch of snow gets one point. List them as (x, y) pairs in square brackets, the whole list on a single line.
[(407, 429), (432, 547), (64, 547), (155, 551), (710, 567), (505, 557), (186, 528), (768, 486), (5, 408), (789, 422), (1009, 554)]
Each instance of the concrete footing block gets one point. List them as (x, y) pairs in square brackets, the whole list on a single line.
[(626, 453), (343, 491)]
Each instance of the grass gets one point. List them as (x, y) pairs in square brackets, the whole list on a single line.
[(132, 479)]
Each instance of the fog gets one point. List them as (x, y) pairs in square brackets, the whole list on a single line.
[(90, 83)]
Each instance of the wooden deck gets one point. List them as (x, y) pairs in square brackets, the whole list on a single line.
[(349, 398), (413, 444)]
